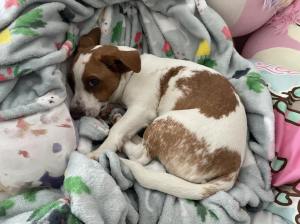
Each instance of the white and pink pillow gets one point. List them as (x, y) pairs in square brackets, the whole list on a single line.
[(246, 16), (278, 42), (284, 86)]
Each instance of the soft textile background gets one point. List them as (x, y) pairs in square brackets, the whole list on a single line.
[(36, 36)]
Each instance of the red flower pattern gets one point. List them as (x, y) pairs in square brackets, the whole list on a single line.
[(137, 37), (9, 71), (10, 3), (2, 77), (68, 46), (166, 47), (226, 32), (24, 153)]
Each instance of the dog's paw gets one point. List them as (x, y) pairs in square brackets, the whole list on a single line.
[(112, 143), (94, 155)]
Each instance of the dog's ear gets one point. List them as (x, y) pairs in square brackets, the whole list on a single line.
[(89, 40), (119, 59)]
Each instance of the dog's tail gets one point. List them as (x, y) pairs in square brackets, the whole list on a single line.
[(176, 186)]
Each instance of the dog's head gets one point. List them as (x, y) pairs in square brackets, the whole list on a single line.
[(97, 73)]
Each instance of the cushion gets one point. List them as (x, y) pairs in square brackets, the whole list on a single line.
[(245, 16), (284, 86), (278, 42)]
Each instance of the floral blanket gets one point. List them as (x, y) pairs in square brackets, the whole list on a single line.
[(38, 36)]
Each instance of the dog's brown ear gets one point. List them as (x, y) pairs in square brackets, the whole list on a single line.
[(90, 40), (119, 59)]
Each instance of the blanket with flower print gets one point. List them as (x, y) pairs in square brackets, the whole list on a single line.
[(36, 130), (37, 36)]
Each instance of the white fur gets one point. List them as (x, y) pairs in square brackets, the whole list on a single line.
[(171, 184), (121, 48), (172, 94), (125, 48), (94, 48), (141, 94), (82, 98), (214, 131)]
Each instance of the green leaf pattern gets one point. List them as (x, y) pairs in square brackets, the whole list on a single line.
[(30, 195), (76, 185), (254, 82), (72, 38), (207, 61), (170, 53), (42, 211), (72, 219), (117, 32), (203, 211), (29, 22), (212, 214), (22, 2), (18, 72), (4, 205)]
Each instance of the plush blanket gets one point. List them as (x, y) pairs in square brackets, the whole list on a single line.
[(37, 36)]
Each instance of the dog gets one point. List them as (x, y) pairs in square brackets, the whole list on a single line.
[(195, 122)]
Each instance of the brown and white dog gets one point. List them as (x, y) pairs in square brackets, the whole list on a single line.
[(196, 123)]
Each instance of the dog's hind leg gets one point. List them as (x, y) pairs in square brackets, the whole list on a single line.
[(136, 151)]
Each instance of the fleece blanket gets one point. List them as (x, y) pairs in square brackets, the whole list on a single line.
[(34, 118), (36, 36)]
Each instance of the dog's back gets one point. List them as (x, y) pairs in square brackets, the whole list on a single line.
[(200, 133)]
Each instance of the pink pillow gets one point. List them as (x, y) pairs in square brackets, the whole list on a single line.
[(245, 16), (278, 42), (284, 86)]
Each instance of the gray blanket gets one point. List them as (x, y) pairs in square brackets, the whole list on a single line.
[(37, 36)]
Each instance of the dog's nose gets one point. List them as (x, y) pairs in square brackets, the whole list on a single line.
[(77, 113)]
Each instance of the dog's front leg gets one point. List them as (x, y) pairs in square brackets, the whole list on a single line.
[(133, 120)]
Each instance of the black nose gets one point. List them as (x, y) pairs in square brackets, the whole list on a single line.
[(77, 113)]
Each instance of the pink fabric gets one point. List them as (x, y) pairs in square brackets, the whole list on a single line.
[(274, 34), (288, 148), (253, 16), (284, 86)]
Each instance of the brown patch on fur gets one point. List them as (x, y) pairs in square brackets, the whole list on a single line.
[(87, 43), (106, 64), (118, 60), (208, 191), (211, 93), (218, 184), (90, 40), (166, 78), (176, 147), (108, 79), (38, 132)]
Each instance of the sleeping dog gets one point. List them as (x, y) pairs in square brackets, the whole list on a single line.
[(196, 123)]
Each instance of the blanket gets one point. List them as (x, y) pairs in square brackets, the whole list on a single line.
[(36, 36)]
